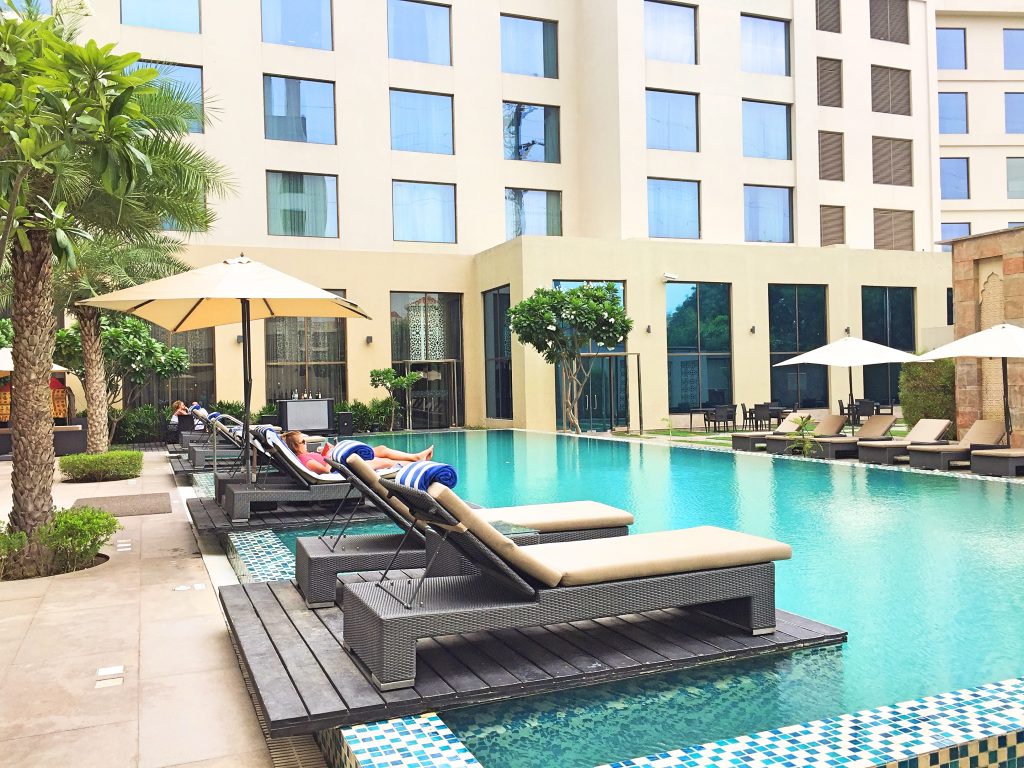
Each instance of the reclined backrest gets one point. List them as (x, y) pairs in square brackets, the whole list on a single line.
[(368, 483), (788, 425), (286, 461), (984, 432), (875, 427), (830, 425), (928, 430)]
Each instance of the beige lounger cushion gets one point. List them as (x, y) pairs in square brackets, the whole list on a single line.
[(559, 516), (787, 427), (364, 472), (982, 432), (1002, 453), (928, 429), (830, 425), (872, 429), (945, 448), (883, 443)]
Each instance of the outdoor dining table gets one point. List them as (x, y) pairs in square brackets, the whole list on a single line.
[(702, 411)]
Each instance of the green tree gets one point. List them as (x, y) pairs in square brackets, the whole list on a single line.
[(388, 379), (561, 325), (6, 332)]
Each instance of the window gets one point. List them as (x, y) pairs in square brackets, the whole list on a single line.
[(949, 306), (892, 161), (766, 130), (889, 21), (298, 110), (951, 231), (422, 122), (894, 230), (423, 212), (1014, 112), (497, 353), (797, 316), (954, 181), (672, 121), (673, 208), (830, 82), (173, 15), (831, 161), (829, 15), (952, 113), (699, 324), (199, 384), (44, 6), (833, 225), (302, 204), (670, 32), (1013, 49), (531, 132), (1015, 178), (890, 90), (306, 355), (303, 23), (419, 32), (184, 80), (1015, 225), (887, 317), (951, 48), (529, 47), (532, 212), (764, 45), (768, 214)]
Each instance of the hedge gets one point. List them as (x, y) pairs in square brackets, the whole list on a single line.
[(98, 467), (928, 391), (75, 536)]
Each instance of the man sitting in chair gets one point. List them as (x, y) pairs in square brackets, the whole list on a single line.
[(384, 457)]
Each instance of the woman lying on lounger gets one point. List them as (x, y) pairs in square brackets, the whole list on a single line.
[(384, 457)]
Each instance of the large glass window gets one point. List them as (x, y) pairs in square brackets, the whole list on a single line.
[(302, 204), (797, 319), (426, 336), (768, 214), (419, 32), (673, 208), (306, 355), (303, 23), (298, 110), (423, 212), (199, 384), (1013, 48), (951, 48), (699, 325), (1015, 178), (670, 32), (887, 316), (184, 80), (529, 47), (954, 178), (422, 122), (532, 212), (764, 45), (531, 132), (952, 113), (498, 353), (174, 15), (44, 6), (671, 121), (766, 130), (1014, 112), (952, 230)]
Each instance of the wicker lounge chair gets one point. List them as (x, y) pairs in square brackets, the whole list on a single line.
[(983, 434), (319, 559), (891, 451), (730, 575), (828, 426), (998, 462), (755, 441), (227, 431), (875, 428)]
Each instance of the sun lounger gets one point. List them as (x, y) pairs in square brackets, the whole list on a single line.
[(890, 451), (875, 428), (828, 426), (319, 560), (983, 434), (728, 574), (998, 462), (755, 441)]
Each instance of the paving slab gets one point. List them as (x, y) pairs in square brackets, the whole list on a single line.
[(101, 746)]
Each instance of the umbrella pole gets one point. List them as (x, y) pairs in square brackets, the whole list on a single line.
[(1006, 404), (246, 387), (849, 370)]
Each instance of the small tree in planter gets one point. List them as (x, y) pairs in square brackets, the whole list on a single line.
[(395, 385), (562, 324), (802, 442)]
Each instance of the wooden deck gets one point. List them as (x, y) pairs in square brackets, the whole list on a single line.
[(209, 517), (306, 682)]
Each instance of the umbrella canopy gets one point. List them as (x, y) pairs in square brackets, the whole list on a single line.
[(7, 363), (1000, 341)]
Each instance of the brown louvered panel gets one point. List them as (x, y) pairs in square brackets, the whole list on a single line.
[(833, 225), (880, 98), (881, 160), (899, 85), (899, 22), (829, 16), (830, 156), (903, 230), (830, 82), (879, 10), (903, 162), (883, 229)]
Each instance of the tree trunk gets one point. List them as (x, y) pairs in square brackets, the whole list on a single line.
[(95, 371), (31, 415)]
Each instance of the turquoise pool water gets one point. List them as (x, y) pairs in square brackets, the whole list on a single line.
[(925, 572), (288, 537)]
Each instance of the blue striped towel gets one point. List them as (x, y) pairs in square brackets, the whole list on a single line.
[(346, 448), (214, 416), (422, 474)]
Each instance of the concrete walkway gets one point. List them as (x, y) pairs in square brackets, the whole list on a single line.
[(126, 664)]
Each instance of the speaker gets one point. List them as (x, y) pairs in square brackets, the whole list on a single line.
[(345, 424)]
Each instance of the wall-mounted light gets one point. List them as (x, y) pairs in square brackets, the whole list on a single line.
[(846, 330), (239, 338), (648, 329), (753, 329), (668, 277), (369, 339)]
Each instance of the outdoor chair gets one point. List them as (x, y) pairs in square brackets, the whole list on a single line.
[(748, 416), (828, 426), (727, 574), (721, 416), (762, 416), (884, 451), (754, 441), (998, 462), (984, 434), (874, 428)]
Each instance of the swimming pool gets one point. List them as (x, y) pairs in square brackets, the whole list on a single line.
[(923, 571)]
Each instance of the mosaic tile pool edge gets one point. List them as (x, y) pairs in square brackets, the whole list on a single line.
[(422, 741), (258, 556)]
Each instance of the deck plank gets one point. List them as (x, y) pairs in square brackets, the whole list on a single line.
[(477, 662), (518, 665)]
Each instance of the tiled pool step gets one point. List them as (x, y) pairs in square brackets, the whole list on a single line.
[(423, 741)]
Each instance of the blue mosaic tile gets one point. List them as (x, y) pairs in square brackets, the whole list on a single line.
[(423, 741), (202, 482), (259, 556)]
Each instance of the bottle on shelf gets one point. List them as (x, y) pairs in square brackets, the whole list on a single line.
[(295, 394), (318, 395)]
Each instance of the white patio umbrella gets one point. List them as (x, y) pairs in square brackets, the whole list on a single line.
[(7, 363), (232, 291), (851, 352), (1000, 341)]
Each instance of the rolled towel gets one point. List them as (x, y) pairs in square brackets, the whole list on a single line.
[(202, 412), (214, 416), (422, 474), (346, 448)]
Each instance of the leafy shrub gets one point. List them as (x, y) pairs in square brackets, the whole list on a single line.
[(75, 536), (374, 416), (98, 467), (11, 543), (143, 424), (231, 408), (928, 391), (270, 409)]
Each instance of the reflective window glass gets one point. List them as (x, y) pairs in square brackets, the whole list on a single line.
[(768, 214), (298, 110), (797, 316), (954, 181), (302, 23), (529, 47), (421, 122), (497, 353), (887, 317), (173, 15), (423, 212), (673, 208), (952, 113), (764, 45), (302, 204), (1014, 112), (1015, 178), (671, 121), (419, 32), (670, 32), (532, 212), (185, 81), (698, 327), (951, 45), (531, 132), (1013, 48), (952, 230), (766, 130)]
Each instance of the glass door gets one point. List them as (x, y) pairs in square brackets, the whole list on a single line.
[(604, 404), (433, 401)]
